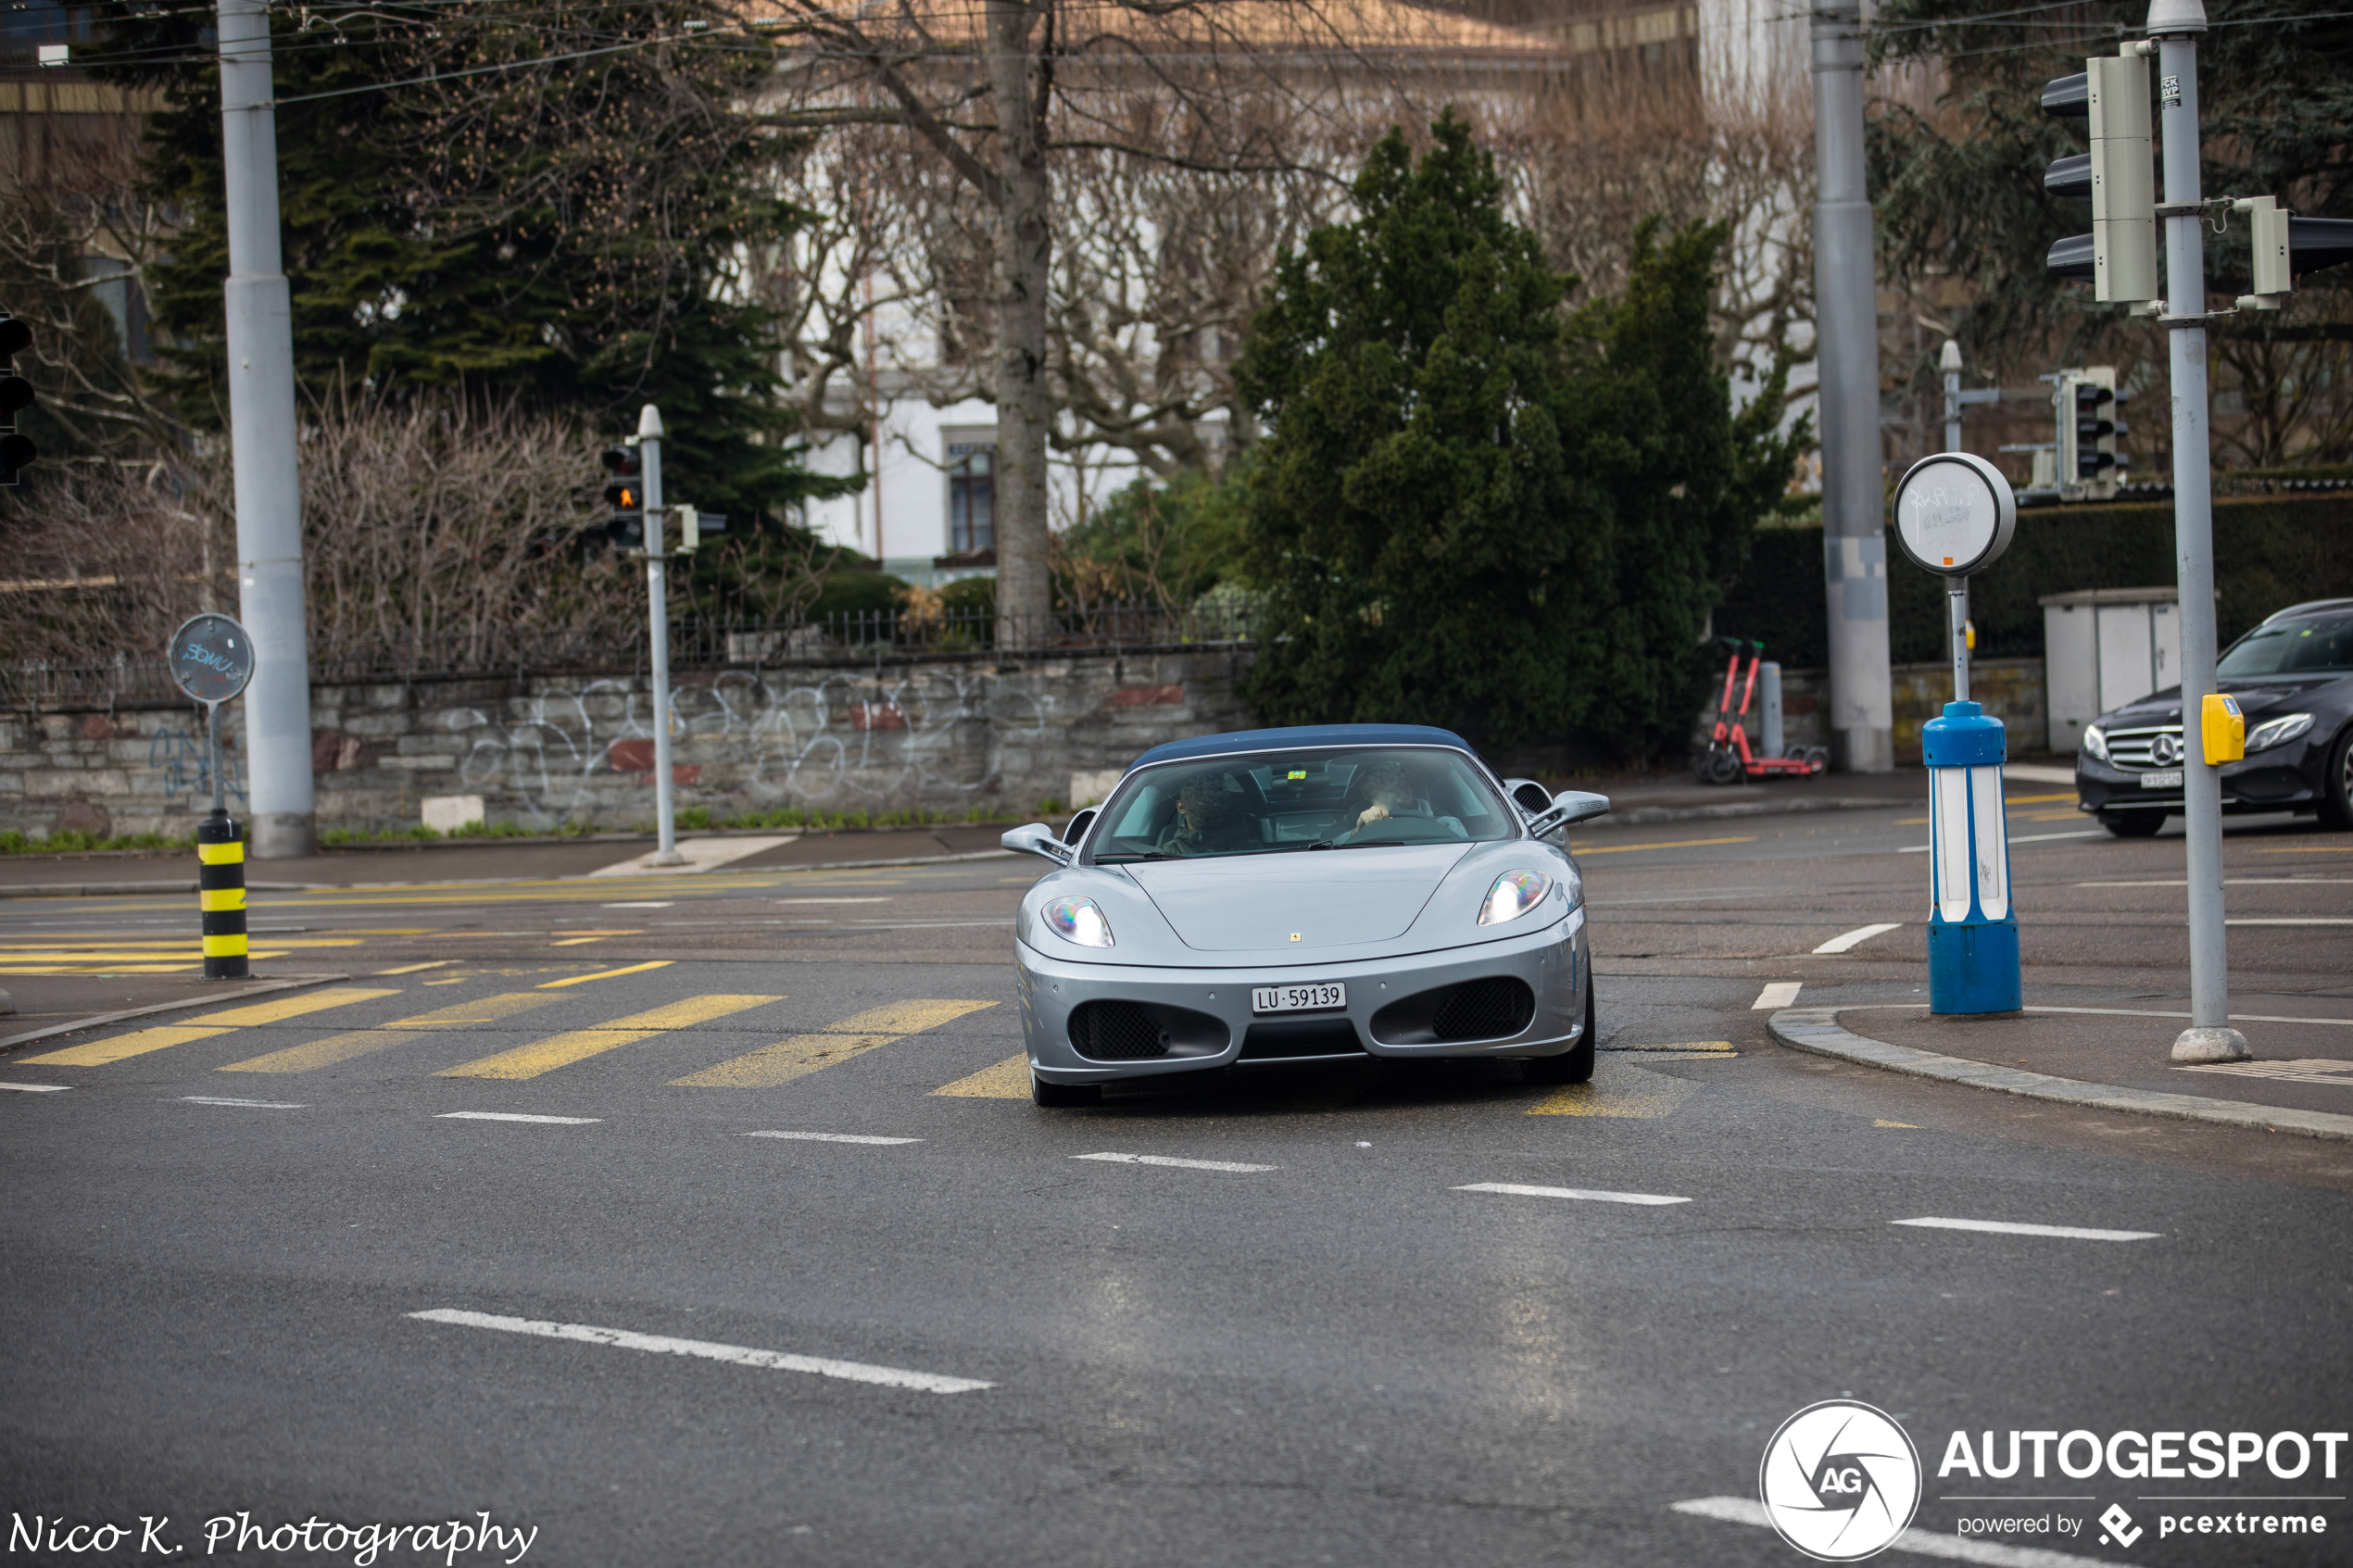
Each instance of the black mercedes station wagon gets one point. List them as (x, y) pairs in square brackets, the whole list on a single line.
[(2293, 676)]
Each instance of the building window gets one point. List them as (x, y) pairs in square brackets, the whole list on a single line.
[(971, 497)]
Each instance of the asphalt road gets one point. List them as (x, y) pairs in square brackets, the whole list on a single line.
[(778, 1115)]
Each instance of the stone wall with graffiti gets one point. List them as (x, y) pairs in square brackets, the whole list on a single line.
[(544, 750)]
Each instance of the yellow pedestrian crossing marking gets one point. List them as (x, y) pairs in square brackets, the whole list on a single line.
[(578, 1045), (838, 1042), (1008, 1079), (139, 1042), (608, 973), (1618, 1089), (97, 1053), (344, 1048)]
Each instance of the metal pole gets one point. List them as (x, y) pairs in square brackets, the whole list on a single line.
[(212, 758), (1846, 356), (261, 435), (1957, 613), (1950, 363), (2176, 25), (658, 614)]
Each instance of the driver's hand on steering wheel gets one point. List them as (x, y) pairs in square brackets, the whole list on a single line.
[(1376, 812)]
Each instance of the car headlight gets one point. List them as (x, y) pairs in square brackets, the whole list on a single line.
[(1513, 895), (1079, 921), (2096, 742), (2273, 731)]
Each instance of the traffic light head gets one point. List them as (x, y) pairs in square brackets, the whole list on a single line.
[(2088, 465), (2120, 255), (2284, 246), (16, 452), (624, 493)]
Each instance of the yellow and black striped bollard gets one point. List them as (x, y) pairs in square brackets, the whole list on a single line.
[(221, 888)]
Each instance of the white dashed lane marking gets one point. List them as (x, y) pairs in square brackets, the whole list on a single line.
[(832, 1137), (515, 1116), (2004, 1227), (1180, 1164), (38, 1088), (1917, 1541), (1775, 996), (250, 1104), (741, 1355), (1588, 1193)]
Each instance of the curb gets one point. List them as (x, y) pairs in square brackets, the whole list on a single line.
[(1818, 1030), (107, 889), (287, 982)]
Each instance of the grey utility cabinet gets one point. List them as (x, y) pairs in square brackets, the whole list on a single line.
[(2103, 647)]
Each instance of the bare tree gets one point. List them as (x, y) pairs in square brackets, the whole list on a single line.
[(1003, 94)]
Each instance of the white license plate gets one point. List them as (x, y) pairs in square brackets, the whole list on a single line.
[(1298, 999), (2169, 779)]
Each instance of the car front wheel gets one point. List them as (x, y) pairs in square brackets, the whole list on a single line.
[(2337, 784), (1574, 1065)]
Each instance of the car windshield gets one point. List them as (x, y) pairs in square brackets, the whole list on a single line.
[(2319, 646), (1278, 802)]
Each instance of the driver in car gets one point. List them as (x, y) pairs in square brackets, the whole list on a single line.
[(1208, 820), (1389, 792)]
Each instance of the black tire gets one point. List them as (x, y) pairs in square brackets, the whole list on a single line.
[(2337, 784), (1699, 765), (1723, 765), (1574, 1065), (1059, 1096), (2133, 824)]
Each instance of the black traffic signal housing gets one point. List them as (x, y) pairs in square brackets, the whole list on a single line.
[(2286, 246), (625, 494), (2089, 465), (2117, 177), (16, 452)]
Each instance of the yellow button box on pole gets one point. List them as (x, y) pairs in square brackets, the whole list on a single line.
[(2224, 728)]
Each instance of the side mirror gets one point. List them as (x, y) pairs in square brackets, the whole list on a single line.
[(1527, 795), (1075, 833), (1568, 805), (1037, 838)]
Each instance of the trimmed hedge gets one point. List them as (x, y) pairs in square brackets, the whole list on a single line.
[(2270, 551)]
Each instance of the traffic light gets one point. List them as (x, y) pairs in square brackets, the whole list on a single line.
[(695, 525), (16, 452), (2088, 466), (2120, 255), (2286, 245), (625, 494)]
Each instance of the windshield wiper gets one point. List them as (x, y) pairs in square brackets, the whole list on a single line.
[(1147, 855)]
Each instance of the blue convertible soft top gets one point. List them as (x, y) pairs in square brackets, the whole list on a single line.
[(1301, 735)]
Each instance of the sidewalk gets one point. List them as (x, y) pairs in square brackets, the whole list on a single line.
[(2301, 1079)]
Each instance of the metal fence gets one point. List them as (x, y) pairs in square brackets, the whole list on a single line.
[(695, 642)]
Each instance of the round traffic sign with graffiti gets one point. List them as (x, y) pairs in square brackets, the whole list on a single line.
[(211, 657)]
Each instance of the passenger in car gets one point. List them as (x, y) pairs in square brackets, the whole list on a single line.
[(1209, 821)]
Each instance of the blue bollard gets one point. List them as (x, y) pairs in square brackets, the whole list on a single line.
[(1972, 934)]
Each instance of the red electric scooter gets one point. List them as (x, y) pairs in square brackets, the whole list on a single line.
[(1727, 758)]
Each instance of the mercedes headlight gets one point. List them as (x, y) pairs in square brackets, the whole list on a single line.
[(1513, 895), (2275, 731), (2096, 742), (1079, 921)]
